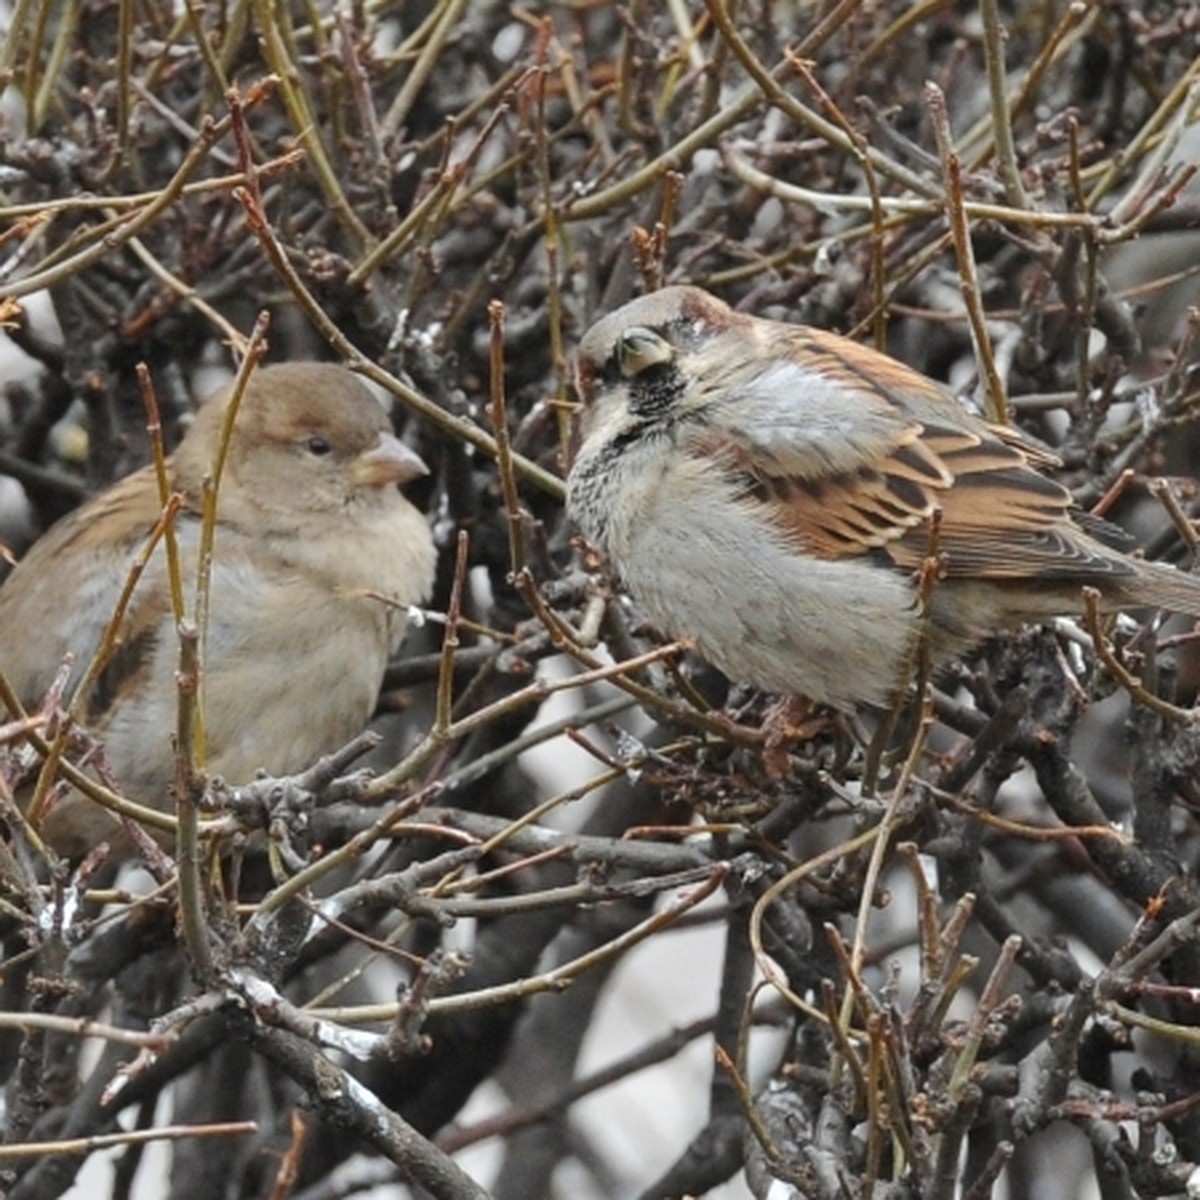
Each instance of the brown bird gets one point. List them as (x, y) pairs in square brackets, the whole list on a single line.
[(316, 557), (769, 491)]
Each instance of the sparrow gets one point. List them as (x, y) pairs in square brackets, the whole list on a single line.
[(316, 558), (771, 492)]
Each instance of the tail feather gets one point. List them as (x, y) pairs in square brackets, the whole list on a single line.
[(1157, 585)]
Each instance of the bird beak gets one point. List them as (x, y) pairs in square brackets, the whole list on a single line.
[(388, 461)]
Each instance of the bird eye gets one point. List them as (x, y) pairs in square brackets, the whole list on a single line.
[(318, 445), (640, 349)]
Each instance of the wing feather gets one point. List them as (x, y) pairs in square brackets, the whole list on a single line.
[(60, 598), (849, 452)]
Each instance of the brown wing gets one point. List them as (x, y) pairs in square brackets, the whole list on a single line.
[(1002, 519), (905, 450), (60, 596)]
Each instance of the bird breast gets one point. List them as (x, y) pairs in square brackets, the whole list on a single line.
[(838, 631)]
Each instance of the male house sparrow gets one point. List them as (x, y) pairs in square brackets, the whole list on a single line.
[(769, 491), (316, 556)]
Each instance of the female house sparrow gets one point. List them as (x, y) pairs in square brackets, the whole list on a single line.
[(316, 555), (769, 491)]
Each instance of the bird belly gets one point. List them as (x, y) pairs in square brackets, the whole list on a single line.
[(289, 672), (837, 631)]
